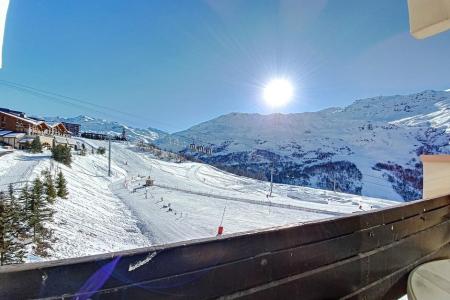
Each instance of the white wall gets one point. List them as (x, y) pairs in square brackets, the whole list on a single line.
[(436, 175)]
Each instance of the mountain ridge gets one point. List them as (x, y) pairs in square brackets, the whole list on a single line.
[(92, 124), (371, 146)]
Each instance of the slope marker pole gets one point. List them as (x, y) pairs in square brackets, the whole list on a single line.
[(109, 157)]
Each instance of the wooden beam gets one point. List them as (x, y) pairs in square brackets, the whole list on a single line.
[(351, 253)]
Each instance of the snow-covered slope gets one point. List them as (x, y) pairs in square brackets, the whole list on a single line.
[(89, 124), (92, 220), (370, 147), (188, 200)]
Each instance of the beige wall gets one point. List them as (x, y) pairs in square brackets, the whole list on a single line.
[(15, 141), (428, 17), (46, 139), (436, 175)]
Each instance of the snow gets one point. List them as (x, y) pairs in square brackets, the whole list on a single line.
[(367, 132), (198, 194), (104, 214), (91, 220), (190, 200), (90, 124)]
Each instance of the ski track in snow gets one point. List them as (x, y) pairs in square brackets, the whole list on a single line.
[(103, 214), (92, 220), (199, 193)]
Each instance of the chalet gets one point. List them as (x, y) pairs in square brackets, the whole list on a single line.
[(15, 112), (16, 129), (18, 122), (58, 129)]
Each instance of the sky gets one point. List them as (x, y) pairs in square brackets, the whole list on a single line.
[(173, 64)]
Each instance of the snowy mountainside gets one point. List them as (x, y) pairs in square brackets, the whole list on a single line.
[(187, 200), (370, 147), (90, 124), (92, 220)]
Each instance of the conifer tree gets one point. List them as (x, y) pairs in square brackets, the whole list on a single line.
[(61, 185), (101, 150), (35, 198), (41, 213), (62, 154), (36, 146), (16, 212), (12, 249), (24, 208), (11, 191), (49, 187), (24, 198)]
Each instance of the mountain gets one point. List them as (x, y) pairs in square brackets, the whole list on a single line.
[(89, 124), (370, 147)]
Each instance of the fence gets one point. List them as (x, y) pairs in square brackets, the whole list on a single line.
[(366, 255)]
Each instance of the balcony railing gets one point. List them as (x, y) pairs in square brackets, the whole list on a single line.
[(366, 255)]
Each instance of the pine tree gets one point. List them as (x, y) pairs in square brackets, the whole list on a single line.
[(101, 150), (49, 187), (40, 214), (35, 198), (25, 198), (12, 249), (25, 202), (62, 154), (61, 185), (18, 216), (36, 146), (11, 191)]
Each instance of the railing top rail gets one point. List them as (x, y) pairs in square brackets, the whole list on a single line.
[(353, 255)]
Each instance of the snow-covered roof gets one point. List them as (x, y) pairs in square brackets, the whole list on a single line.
[(28, 120), (58, 124), (3, 132), (14, 135), (26, 140)]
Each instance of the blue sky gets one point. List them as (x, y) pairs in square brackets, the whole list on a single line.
[(172, 64)]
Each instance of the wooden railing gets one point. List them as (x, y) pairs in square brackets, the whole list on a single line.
[(366, 255)]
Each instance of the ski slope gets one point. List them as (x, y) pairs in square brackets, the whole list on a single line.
[(92, 220), (200, 194), (188, 200)]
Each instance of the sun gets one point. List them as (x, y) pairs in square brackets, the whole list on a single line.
[(278, 92)]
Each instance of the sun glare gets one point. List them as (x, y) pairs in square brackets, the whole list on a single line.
[(278, 92)]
